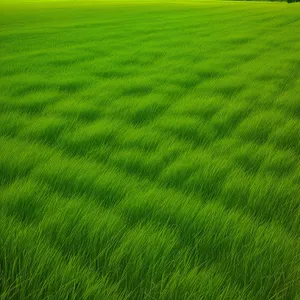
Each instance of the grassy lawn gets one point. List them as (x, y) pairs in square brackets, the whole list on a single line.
[(149, 150)]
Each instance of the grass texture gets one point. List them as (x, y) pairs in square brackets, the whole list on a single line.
[(149, 151)]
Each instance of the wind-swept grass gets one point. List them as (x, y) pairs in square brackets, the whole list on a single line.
[(149, 150)]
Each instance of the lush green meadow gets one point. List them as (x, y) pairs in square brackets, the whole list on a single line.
[(149, 150)]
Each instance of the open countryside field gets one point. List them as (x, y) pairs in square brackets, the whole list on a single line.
[(149, 150)]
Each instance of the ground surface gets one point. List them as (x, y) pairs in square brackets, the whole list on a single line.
[(149, 151)]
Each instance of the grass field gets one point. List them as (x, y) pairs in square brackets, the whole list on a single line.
[(149, 150)]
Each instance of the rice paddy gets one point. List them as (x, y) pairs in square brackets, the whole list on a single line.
[(149, 150)]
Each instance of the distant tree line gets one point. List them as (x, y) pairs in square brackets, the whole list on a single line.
[(288, 1)]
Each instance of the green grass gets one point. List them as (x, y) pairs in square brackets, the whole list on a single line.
[(149, 150)]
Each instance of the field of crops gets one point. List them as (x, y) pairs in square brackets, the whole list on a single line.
[(149, 151)]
